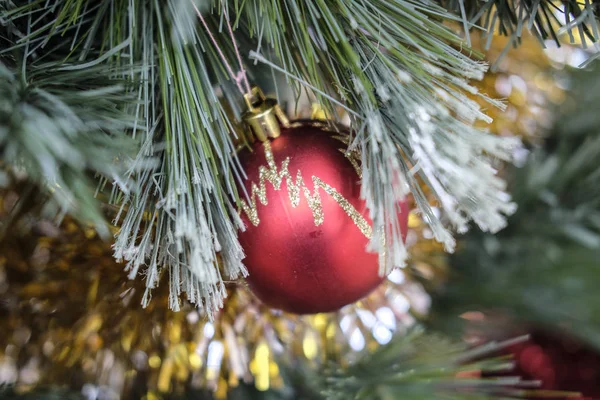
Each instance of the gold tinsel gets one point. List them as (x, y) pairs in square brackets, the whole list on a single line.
[(69, 316)]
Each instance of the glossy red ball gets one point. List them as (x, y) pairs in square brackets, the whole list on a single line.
[(300, 258)]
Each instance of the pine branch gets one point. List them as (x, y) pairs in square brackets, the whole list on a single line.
[(61, 126), (543, 268), (190, 196), (399, 73), (545, 19), (181, 213), (423, 366)]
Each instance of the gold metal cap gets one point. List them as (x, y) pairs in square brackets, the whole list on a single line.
[(264, 116)]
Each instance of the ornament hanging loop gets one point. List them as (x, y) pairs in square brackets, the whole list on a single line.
[(264, 116)]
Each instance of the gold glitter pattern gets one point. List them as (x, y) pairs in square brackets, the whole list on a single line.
[(275, 177)]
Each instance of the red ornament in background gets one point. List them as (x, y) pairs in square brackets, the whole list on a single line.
[(559, 363), (306, 227)]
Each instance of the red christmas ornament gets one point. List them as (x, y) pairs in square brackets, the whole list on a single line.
[(559, 363), (306, 226)]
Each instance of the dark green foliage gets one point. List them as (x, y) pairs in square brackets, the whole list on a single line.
[(541, 17), (545, 267), (60, 126), (7, 393), (422, 366)]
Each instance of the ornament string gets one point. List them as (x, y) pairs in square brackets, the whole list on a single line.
[(239, 77)]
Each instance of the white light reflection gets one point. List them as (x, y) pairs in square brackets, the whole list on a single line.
[(386, 316), (401, 304), (193, 317), (345, 323), (518, 83), (397, 276), (357, 341), (382, 334), (215, 354), (367, 318), (209, 330), (503, 86)]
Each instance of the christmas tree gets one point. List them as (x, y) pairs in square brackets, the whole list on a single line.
[(299, 199)]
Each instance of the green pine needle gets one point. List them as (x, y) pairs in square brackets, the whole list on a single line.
[(61, 128), (159, 47), (191, 196), (543, 269), (545, 19), (404, 81), (422, 366), (393, 65)]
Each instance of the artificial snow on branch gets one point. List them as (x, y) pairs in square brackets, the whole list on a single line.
[(404, 78), (178, 219), (182, 221), (543, 269), (399, 72), (545, 19), (58, 127), (417, 365)]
